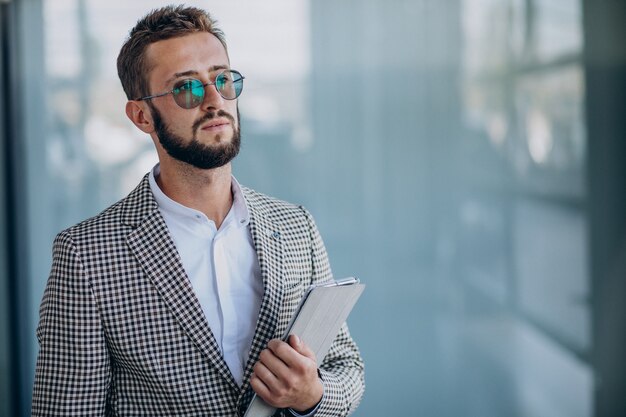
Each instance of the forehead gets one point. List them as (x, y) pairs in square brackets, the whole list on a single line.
[(196, 52)]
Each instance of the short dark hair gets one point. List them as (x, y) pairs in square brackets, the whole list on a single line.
[(159, 24)]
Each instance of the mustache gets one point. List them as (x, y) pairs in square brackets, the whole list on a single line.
[(212, 115)]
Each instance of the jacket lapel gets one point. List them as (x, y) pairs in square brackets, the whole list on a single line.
[(268, 243), (153, 248)]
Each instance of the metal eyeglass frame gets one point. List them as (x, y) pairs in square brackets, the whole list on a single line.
[(204, 85)]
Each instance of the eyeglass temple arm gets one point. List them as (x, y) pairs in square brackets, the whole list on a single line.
[(155, 96), (171, 91)]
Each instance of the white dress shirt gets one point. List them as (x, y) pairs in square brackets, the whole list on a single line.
[(223, 268)]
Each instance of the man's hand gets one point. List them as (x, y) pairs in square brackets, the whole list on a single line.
[(286, 375)]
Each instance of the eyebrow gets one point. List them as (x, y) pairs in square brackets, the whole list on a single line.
[(193, 72)]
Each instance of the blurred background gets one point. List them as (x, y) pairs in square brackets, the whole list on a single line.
[(466, 159)]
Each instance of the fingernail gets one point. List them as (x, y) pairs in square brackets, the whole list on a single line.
[(296, 340)]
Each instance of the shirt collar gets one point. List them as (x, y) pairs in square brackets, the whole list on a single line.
[(239, 209)]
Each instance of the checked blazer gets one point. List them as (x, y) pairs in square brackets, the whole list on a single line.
[(122, 333)]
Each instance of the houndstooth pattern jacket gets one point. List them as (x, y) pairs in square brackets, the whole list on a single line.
[(121, 332)]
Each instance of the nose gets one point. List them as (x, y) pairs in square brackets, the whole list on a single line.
[(212, 99)]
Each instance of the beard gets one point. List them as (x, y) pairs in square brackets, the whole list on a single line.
[(195, 153)]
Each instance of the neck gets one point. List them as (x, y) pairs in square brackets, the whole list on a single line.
[(205, 190)]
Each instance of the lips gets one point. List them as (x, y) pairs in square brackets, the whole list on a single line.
[(215, 123)]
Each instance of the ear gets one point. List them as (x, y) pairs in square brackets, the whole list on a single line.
[(139, 113)]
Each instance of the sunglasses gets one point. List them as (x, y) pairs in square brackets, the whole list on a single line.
[(189, 93)]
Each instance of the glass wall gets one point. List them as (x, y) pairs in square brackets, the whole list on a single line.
[(5, 361), (456, 132), (440, 145)]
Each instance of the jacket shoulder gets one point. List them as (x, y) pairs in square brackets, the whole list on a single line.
[(119, 216), (273, 208)]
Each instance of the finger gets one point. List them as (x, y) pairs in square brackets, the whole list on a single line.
[(270, 396), (273, 363), (259, 387), (266, 376), (285, 353), (302, 348), (297, 363)]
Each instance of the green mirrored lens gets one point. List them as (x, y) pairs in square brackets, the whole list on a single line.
[(189, 93), (224, 84), (221, 81), (229, 84)]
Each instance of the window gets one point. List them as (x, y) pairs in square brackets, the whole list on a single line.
[(441, 146)]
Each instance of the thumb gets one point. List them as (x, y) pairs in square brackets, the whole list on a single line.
[(301, 347)]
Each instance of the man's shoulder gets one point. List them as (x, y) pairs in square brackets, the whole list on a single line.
[(105, 218), (274, 208), (119, 216)]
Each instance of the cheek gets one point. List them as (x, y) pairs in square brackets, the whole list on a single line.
[(232, 110), (182, 121)]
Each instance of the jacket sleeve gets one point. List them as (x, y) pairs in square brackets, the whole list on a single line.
[(342, 370), (72, 372)]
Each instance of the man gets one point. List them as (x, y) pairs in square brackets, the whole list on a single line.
[(170, 302)]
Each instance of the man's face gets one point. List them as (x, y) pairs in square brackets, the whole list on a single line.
[(206, 136)]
